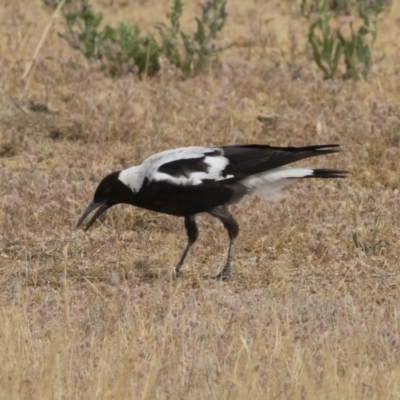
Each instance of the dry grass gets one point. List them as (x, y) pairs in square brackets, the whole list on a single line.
[(306, 316)]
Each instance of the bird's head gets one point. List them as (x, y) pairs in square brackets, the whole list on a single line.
[(111, 191)]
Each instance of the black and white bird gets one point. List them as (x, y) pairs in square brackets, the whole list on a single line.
[(192, 180)]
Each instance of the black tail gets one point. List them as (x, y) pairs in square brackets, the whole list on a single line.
[(252, 159), (328, 173)]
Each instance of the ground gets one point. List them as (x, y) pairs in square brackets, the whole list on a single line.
[(307, 314)]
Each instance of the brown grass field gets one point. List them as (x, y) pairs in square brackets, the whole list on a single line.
[(96, 315)]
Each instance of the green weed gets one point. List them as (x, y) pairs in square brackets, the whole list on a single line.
[(374, 244), (125, 49), (192, 53), (330, 47)]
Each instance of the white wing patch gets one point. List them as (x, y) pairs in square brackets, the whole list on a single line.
[(135, 176), (216, 164), (270, 183)]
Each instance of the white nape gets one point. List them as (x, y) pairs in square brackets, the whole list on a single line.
[(132, 177)]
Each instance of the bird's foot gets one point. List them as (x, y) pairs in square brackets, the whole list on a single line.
[(177, 274), (223, 277)]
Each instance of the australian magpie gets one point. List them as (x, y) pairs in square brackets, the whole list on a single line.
[(192, 180)]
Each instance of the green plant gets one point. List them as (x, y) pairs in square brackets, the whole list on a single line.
[(193, 53), (326, 47), (330, 47), (339, 5), (358, 48), (124, 49), (55, 3), (374, 245), (120, 49)]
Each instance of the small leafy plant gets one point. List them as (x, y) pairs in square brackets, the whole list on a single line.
[(373, 247), (124, 49), (120, 50), (330, 47), (193, 53)]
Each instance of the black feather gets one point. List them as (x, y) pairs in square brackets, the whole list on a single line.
[(328, 173), (184, 167), (252, 159)]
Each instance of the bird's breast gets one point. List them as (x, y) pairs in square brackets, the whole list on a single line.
[(181, 201)]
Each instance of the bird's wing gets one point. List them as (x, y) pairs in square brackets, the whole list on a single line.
[(252, 159), (188, 166), (204, 166)]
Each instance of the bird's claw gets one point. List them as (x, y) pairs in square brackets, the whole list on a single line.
[(177, 274), (221, 277)]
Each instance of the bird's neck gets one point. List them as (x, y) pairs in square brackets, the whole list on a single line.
[(133, 178)]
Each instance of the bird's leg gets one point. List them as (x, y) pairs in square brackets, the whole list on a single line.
[(232, 227), (193, 234)]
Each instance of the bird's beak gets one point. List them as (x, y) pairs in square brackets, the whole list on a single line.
[(102, 206)]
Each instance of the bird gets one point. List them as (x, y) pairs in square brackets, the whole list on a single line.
[(187, 181)]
